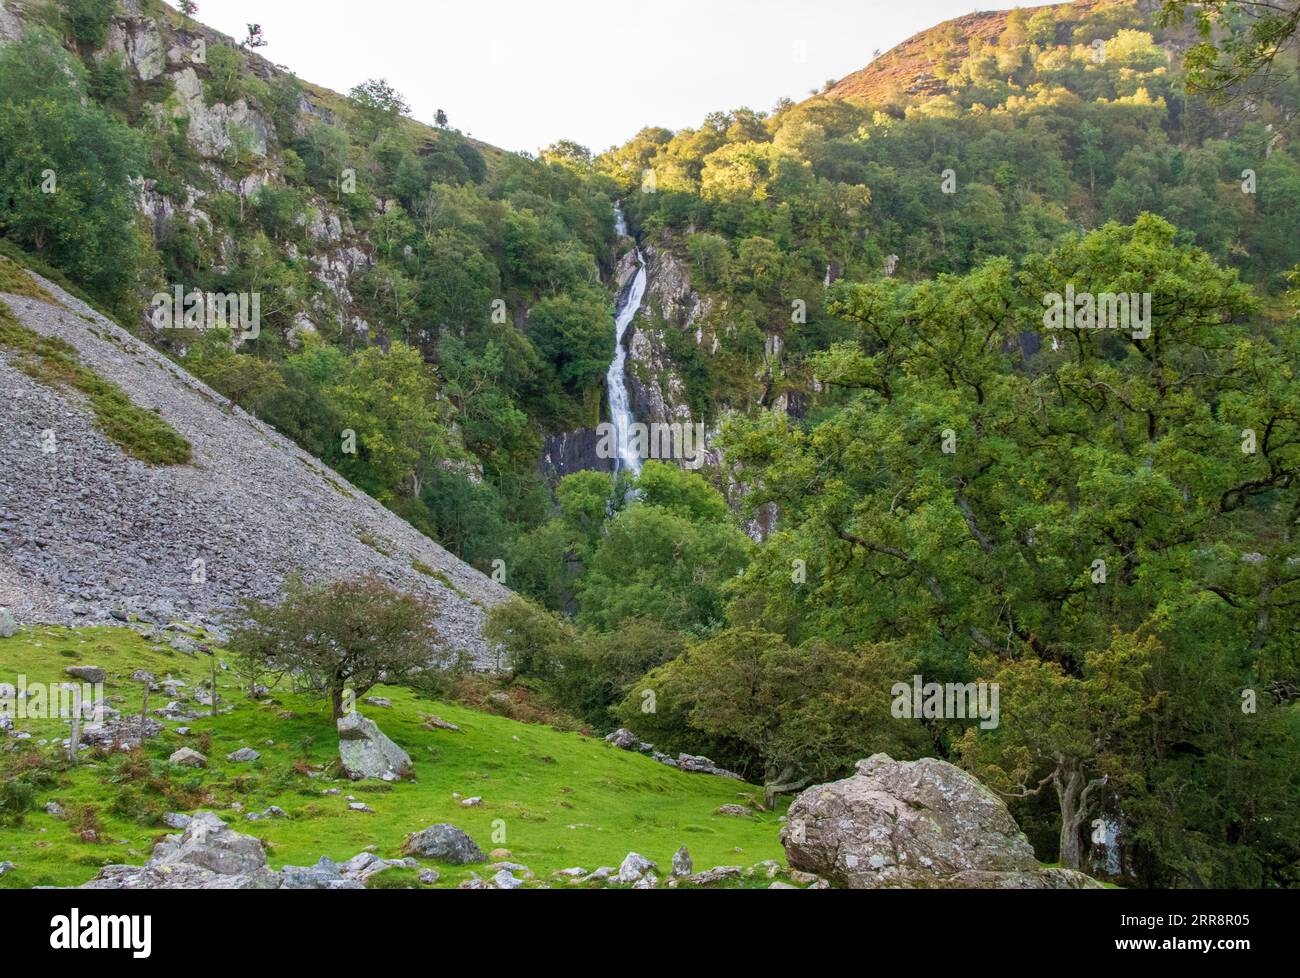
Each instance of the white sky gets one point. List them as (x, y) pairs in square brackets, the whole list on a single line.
[(523, 73)]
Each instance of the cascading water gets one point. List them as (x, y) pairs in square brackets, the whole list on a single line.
[(627, 455)]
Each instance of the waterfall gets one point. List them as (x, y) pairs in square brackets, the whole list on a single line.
[(627, 455)]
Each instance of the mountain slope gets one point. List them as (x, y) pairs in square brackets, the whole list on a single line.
[(909, 69), (85, 528)]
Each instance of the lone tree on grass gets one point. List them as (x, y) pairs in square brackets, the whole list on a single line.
[(349, 634)]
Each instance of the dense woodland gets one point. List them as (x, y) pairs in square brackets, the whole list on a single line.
[(949, 479)]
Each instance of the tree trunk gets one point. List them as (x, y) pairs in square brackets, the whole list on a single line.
[(336, 702), (1074, 792)]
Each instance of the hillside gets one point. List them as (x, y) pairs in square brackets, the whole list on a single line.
[(87, 529), (909, 69), (1085, 538), (555, 800)]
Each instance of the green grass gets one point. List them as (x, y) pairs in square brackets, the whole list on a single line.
[(51, 361), (15, 281), (561, 799)]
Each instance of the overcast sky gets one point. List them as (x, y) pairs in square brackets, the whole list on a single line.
[(523, 73)]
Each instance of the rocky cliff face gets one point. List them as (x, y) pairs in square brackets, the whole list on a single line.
[(87, 533), (240, 150), (658, 394)]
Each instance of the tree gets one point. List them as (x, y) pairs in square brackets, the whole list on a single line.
[(346, 636), (440, 119), (1074, 734), (1241, 39), (374, 107), (188, 8), (975, 501), (391, 400), (68, 169), (788, 715), (254, 38), (86, 21)]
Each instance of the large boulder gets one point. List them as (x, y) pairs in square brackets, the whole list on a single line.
[(208, 855), (919, 823), (367, 753), (443, 842)]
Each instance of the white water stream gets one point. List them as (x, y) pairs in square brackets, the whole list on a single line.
[(620, 410)]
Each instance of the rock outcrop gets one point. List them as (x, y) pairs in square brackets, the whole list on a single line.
[(914, 824), (445, 843), (366, 752), (210, 855)]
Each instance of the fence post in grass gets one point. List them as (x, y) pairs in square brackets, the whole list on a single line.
[(74, 741)]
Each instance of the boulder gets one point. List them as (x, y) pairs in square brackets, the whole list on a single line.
[(445, 843), (188, 758), (208, 855), (633, 867), (924, 824), (367, 753), (364, 865), (8, 625), (244, 754), (625, 739), (325, 875), (87, 674), (682, 864)]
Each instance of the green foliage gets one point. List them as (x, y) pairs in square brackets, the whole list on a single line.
[(226, 82), (87, 21), (1240, 41), (787, 715), (339, 637), (1084, 514), (67, 166)]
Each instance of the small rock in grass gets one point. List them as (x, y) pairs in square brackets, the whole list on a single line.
[(445, 843), (188, 758), (243, 754), (360, 806), (428, 876), (633, 867), (682, 864), (503, 880), (87, 674), (471, 802)]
